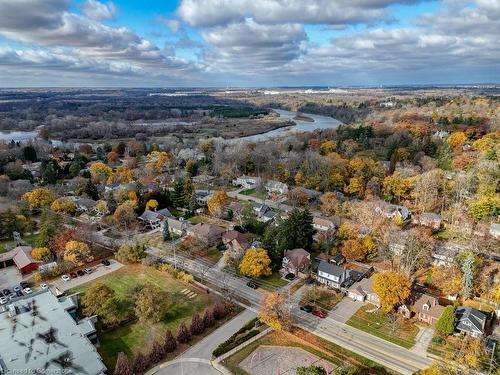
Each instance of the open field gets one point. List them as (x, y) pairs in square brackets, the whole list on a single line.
[(402, 332), (31, 239), (133, 336)]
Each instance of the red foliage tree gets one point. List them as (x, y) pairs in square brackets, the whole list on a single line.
[(170, 344), (123, 365), (208, 318), (197, 326), (183, 335), (156, 353), (219, 311), (58, 243), (141, 363)]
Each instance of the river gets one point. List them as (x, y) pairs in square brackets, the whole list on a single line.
[(18, 136), (320, 122)]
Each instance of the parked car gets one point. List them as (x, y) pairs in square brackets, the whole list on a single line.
[(19, 293), (88, 270), (17, 288), (65, 277), (24, 284), (319, 313), (73, 275), (12, 296), (27, 291), (3, 300), (44, 286), (106, 262), (6, 292), (307, 308), (80, 273), (290, 276), (252, 285)]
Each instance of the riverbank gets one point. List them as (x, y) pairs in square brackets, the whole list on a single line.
[(301, 117)]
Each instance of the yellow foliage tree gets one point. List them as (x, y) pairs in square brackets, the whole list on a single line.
[(123, 175), (41, 253), (64, 205), (124, 215), (102, 207), (330, 204), (100, 172), (255, 263), (77, 252), (457, 140), (152, 204), (38, 198), (355, 186), (392, 288), (328, 147), (488, 143), (157, 160), (217, 202), (397, 187), (274, 313)]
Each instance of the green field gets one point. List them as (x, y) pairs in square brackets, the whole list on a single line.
[(272, 282), (31, 239), (378, 323), (134, 336)]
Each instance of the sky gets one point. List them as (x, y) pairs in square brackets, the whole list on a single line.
[(248, 43)]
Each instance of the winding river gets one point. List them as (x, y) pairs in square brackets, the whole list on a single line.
[(320, 122)]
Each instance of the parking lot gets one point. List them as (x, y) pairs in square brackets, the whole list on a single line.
[(98, 271), (9, 277)]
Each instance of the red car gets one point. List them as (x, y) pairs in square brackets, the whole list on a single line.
[(319, 313)]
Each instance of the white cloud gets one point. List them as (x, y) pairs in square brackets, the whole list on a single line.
[(96, 10)]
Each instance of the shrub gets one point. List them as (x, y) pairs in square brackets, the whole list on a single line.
[(196, 327), (170, 343), (219, 311), (232, 343), (183, 335), (123, 365), (208, 318), (156, 353), (140, 363)]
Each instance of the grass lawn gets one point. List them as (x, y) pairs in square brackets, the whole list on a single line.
[(31, 239), (254, 193), (194, 220), (377, 323), (134, 336), (306, 341), (272, 282), (214, 254)]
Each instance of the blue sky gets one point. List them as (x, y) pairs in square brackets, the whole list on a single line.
[(248, 42)]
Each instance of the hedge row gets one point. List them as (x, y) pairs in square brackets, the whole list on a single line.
[(232, 343)]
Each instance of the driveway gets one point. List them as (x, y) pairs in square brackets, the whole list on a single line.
[(99, 270), (345, 309), (423, 340)]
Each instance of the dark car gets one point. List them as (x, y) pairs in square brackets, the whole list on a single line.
[(73, 275), (307, 308), (6, 292), (319, 313), (252, 285), (19, 293), (106, 262), (290, 276), (24, 284), (80, 273)]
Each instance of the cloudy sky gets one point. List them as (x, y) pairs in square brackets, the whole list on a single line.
[(248, 42)]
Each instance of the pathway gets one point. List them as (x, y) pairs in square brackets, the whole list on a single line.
[(423, 340)]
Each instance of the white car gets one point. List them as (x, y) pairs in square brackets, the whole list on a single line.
[(27, 291), (65, 277), (3, 300), (44, 286), (17, 288)]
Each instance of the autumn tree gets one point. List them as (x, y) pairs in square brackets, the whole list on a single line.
[(217, 202), (156, 161), (141, 363), (156, 352), (456, 140), (183, 335), (41, 253), (124, 216), (447, 321), (100, 172), (330, 204), (59, 241), (274, 313), (123, 365), (152, 204), (397, 187), (255, 263), (150, 304), (132, 251), (196, 327), (38, 198), (447, 279), (417, 248), (392, 288), (169, 342), (359, 248), (63, 205), (208, 318), (77, 252), (99, 299)]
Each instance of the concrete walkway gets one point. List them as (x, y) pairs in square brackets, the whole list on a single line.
[(346, 308), (423, 340), (197, 359)]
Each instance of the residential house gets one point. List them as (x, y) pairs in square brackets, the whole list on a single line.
[(85, 204), (202, 197), (338, 259), (177, 227), (236, 242), (276, 187), (263, 212), (312, 195), (207, 233), (20, 257), (331, 275), (363, 291), (237, 209), (428, 219), (154, 219), (296, 261), (323, 224), (495, 230), (203, 179), (427, 309), (392, 211), (247, 182), (444, 254), (470, 321)]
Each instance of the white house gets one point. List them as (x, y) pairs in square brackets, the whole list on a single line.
[(331, 275), (323, 224), (273, 186), (247, 182)]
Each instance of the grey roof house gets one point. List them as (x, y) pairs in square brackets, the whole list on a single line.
[(470, 321)]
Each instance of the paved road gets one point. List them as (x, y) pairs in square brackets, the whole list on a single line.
[(345, 309), (196, 360), (331, 329)]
